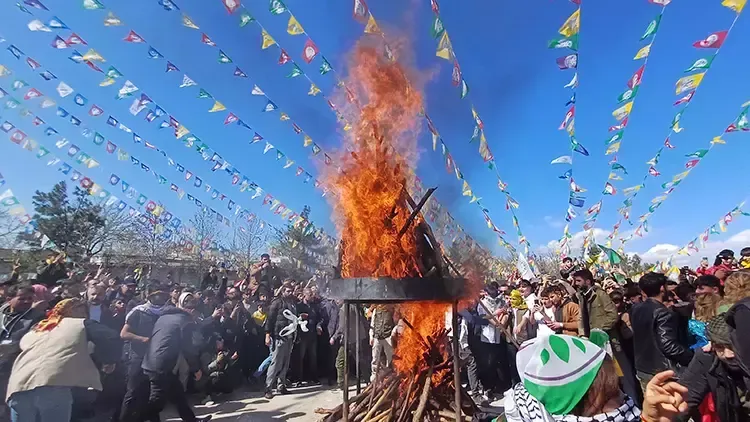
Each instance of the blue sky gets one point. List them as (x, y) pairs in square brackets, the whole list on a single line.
[(514, 81)]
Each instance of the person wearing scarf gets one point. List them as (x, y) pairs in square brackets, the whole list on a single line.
[(565, 378), (55, 360)]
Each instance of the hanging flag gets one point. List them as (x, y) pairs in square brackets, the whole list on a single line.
[(643, 53), (628, 95), (64, 89), (653, 26), (133, 37), (703, 63), (92, 55), (217, 107), (360, 11), (245, 18), (687, 83), (267, 40), (372, 26), (714, 40), (578, 147), (437, 28), (127, 89), (698, 154), (294, 27), (464, 89), (568, 62), (37, 25), (80, 100), (56, 23), (565, 159), (92, 4), (277, 7), (59, 43), (186, 21), (325, 67), (570, 114), (309, 51), (571, 25), (736, 5), (314, 90), (685, 99), (612, 148), (653, 172), (112, 20), (74, 39), (567, 42), (270, 106), (635, 80), (171, 67), (223, 58), (257, 91), (206, 40), (623, 112), (296, 71), (444, 48), (231, 5), (691, 163), (154, 54), (573, 82), (33, 64), (32, 93)]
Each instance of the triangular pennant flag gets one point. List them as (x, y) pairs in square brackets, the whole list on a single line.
[(186, 82), (217, 107), (314, 90), (112, 20), (293, 27), (267, 40), (270, 106), (309, 51), (714, 40), (572, 24), (133, 37), (444, 48), (372, 26), (186, 21), (223, 58)]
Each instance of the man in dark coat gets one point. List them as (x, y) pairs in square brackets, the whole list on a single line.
[(172, 338), (280, 338)]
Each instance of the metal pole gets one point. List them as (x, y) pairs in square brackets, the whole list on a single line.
[(456, 361), (356, 346), (346, 362)]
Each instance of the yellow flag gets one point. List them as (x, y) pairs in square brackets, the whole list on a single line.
[(444, 48), (736, 5), (4, 70), (623, 111), (372, 26), (613, 148), (614, 176), (676, 127), (294, 27), (571, 25), (347, 127), (308, 140), (688, 82), (107, 82), (267, 40), (181, 131), (186, 21), (314, 90), (217, 107), (112, 20), (284, 117), (466, 189), (93, 56), (680, 176), (718, 140), (643, 53)]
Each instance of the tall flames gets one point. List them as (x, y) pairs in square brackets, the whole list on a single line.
[(369, 210)]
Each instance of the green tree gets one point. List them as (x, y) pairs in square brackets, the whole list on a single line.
[(72, 222), (302, 253)]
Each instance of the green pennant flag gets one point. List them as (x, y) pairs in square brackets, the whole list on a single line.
[(698, 154), (296, 71), (245, 18), (437, 28), (277, 7), (464, 89), (700, 64), (92, 4), (568, 42), (325, 67), (204, 94), (618, 166), (628, 95), (223, 58), (653, 26)]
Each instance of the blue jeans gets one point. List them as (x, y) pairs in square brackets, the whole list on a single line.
[(42, 404)]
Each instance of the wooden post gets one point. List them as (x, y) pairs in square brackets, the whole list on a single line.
[(346, 362), (456, 361)]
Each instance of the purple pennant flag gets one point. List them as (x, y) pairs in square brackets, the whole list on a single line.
[(568, 62)]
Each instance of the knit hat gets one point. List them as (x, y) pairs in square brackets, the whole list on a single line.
[(717, 330), (558, 369), (516, 300)]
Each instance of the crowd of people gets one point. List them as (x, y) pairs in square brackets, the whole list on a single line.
[(79, 346)]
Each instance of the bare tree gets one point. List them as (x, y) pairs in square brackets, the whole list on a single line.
[(147, 241), (248, 241), (202, 233), (10, 227)]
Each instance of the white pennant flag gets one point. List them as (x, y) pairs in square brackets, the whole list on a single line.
[(257, 91), (37, 25), (64, 89), (127, 89), (186, 81)]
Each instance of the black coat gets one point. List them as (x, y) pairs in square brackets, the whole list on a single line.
[(738, 319), (174, 334), (656, 338), (276, 321), (708, 374)]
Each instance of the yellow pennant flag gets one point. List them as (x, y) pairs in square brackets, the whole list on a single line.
[(314, 90), (186, 21), (181, 131), (107, 82), (680, 176), (643, 53), (571, 25), (614, 176), (676, 127), (284, 117), (613, 148), (466, 189), (294, 27), (308, 140), (93, 56), (4, 70), (718, 140), (688, 82), (347, 127), (267, 40), (372, 26), (623, 111), (112, 20), (217, 107), (444, 48), (736, 5)]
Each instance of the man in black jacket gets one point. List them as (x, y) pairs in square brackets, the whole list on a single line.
[(172, 338), (280, 338), (657, 342)]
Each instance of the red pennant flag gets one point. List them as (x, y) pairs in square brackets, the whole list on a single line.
[(284, 57), (623, 124), (75, 39), (310, 51), (37, 121), (300, 170), (667, 144), (133, 37), (95, 111), (33, 64), (33, 93), (714, 40), (360, 12), (456, 75), (328, 160), (93, 66), (434, 6), (731, 128), (231, 5), (578, 2), (17, 136), (636, 79), (206, 40), (231, 118), (685, 99), (332, 105), (692, 163), (652, 171)]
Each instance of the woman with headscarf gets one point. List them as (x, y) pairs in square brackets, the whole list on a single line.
[(55, 360), (566, 378)]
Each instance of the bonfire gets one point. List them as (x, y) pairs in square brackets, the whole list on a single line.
[(388, 252)]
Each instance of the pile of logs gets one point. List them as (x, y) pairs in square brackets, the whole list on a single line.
[(425, 394)]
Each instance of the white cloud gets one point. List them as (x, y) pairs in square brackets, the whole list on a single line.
[(663, 251), (576, 242), (553, 222)]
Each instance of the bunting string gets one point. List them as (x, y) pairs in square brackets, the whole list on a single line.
[(687, 85)]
